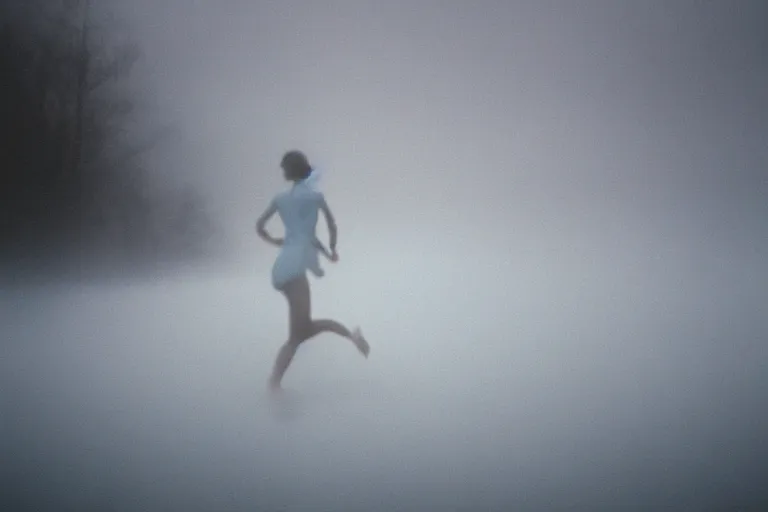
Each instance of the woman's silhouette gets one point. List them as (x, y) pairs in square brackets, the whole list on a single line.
[(298, 208)]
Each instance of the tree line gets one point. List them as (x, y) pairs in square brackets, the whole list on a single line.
[(74, 179)]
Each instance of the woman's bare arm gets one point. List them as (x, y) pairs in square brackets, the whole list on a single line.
[(261, 224), (331, 222)]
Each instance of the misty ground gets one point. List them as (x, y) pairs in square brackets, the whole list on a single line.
[(583, 383)]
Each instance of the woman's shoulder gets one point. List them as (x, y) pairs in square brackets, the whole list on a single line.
[(280, 196), (306, 190)]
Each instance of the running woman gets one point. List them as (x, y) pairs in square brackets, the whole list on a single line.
[(298, 209)]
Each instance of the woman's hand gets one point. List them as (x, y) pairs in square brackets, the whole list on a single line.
[(264, 235), (277, 242), (332, 255), (261, 226)]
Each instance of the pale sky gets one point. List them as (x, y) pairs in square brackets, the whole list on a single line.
[(430, 114)]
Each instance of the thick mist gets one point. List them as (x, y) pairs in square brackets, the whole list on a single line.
[(552, 231)]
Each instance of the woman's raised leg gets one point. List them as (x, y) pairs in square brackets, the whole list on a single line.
[(302, 328)]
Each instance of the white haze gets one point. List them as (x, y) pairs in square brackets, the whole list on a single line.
[(552, 231), (531, 383)]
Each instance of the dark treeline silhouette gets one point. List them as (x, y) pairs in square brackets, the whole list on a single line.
[(73, 178)]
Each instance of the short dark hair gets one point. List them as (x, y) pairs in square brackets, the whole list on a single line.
[(295, 165)]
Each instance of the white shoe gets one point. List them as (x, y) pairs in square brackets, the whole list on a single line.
[(359, 340)]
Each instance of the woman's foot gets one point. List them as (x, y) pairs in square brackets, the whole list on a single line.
[(273, 386), (360, 342)]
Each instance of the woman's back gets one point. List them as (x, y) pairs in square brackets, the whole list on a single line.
[(298, 209)]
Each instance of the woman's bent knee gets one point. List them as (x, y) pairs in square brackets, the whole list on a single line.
[(302, 332)]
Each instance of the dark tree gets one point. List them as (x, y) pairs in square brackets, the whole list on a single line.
[(72, 174)]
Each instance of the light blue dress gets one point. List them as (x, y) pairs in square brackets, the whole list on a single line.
[(298, 209)]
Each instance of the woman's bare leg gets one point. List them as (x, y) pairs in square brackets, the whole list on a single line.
[(302, 328), (325, 325), (297, 294), (283, 360)]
